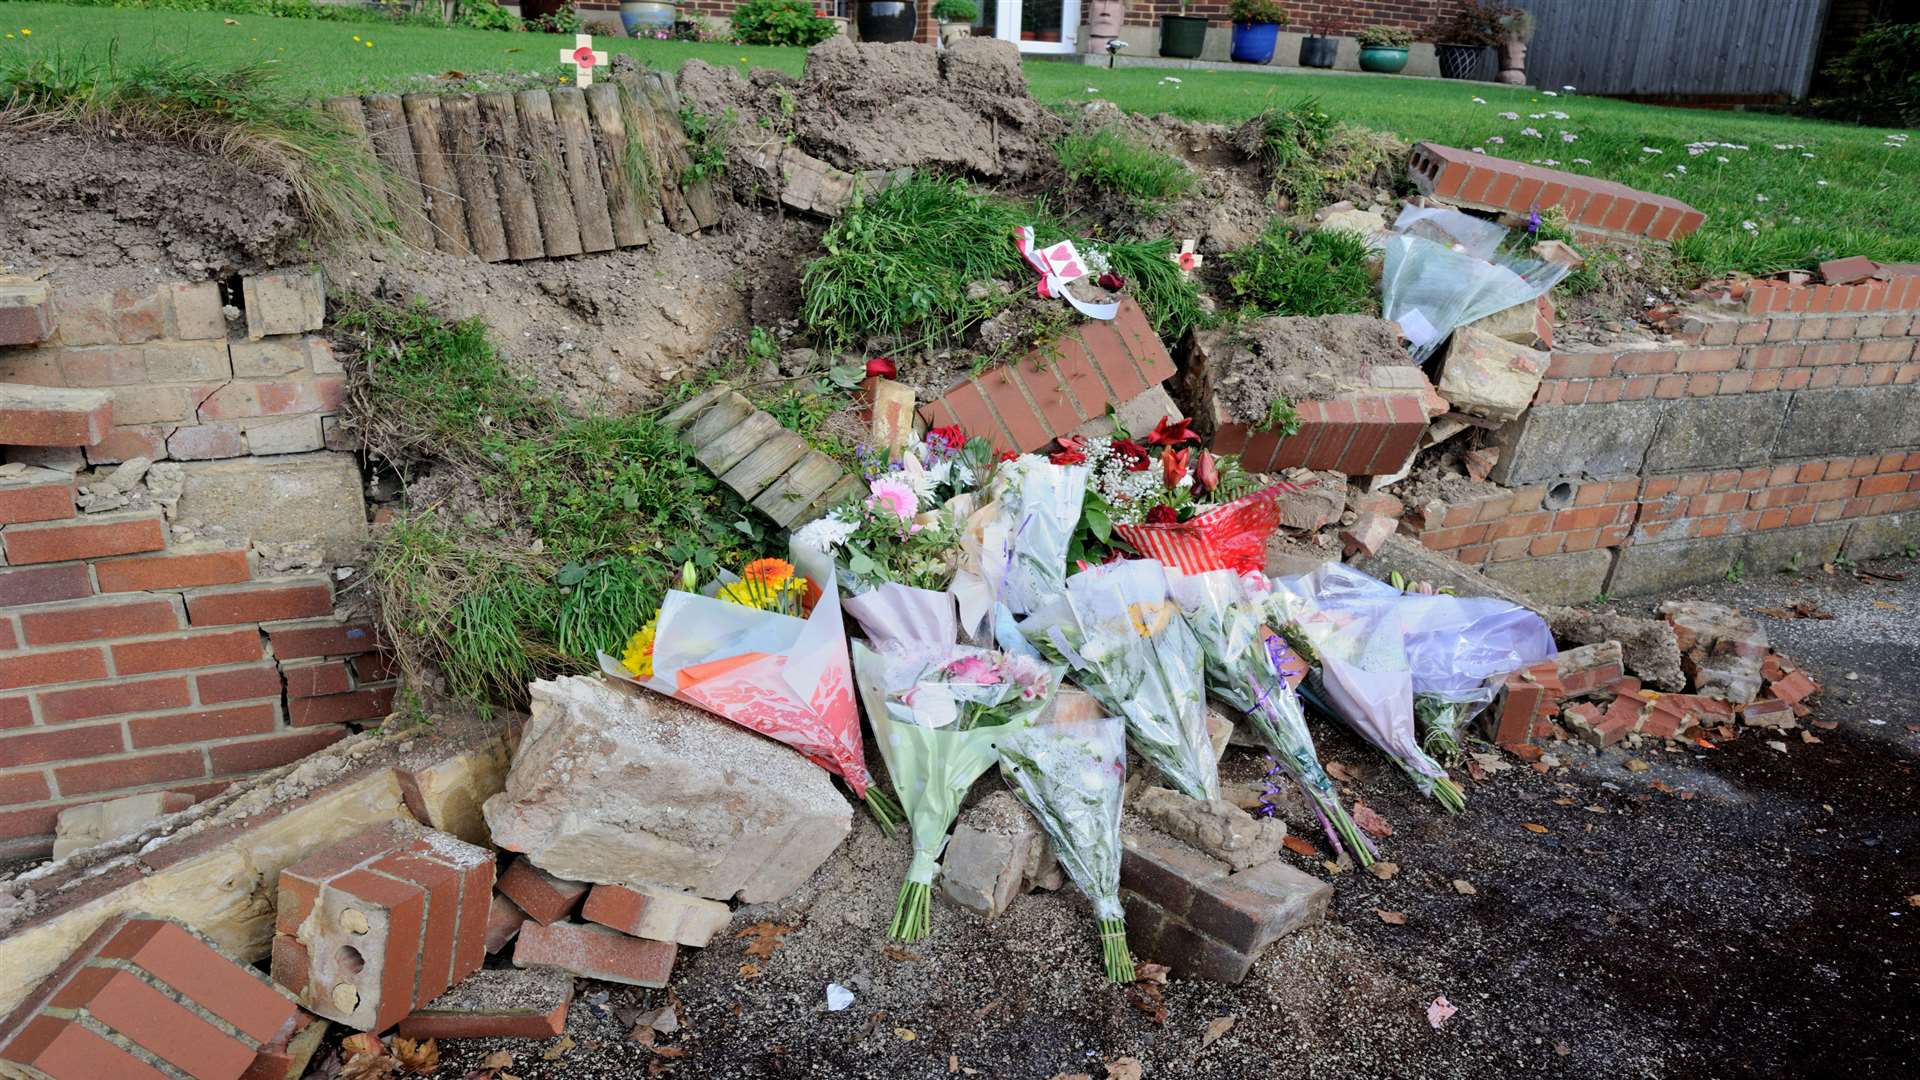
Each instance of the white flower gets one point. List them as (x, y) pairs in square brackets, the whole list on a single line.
[(1477, 150), (1093, 89), (1804, 154), (1670, 176), (1581, 161), (1750, 226), (1568, 136), (1759, 198), (1781, 146), (1496, 140), (1536, 116), (1721, 158), (1531, 132), (1820, 183), (1568, 89), (1168, 78), (1479, 101), (1680, 168), (1558, 115), (1651, 150), (1549, 93), (1549, 161), (1509, 116), (822, 535)]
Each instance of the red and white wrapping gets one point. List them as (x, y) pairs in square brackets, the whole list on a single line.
[(1232, 536), (1058, 266)]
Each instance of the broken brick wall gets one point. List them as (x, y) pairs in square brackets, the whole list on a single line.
[(182, 628), (1778, 422)]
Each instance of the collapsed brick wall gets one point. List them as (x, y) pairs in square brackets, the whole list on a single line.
[(154, 638), (1781, 422)]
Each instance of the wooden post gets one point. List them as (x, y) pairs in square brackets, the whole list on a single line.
[(626, 177), (559, 228), (474, 171), (506, 146), (393, 145), (699, 193), (348, 112), (654, 121), (583, 169), (444, 209)]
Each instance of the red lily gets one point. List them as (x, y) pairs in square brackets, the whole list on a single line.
[(1170, 432), (1173, 467), (881, 367), (1206, 473), (1068, 457)]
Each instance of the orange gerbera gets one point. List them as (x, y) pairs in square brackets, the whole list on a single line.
[(770, 572)]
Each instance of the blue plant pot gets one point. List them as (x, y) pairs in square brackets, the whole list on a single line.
[(646, 16), (1253, 42)]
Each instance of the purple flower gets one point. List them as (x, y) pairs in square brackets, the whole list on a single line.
[(1533, 222)]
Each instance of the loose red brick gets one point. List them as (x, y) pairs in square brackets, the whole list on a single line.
[(130, 772), (51, 667), (63, 1049), (1793, 688), (316, 678), (44, 495), (238, 684), (93, 537), (371, 703), (186, 962), (211, 648), (252, 755), (503, 915), (542, 896), (659, 914), (147, 1018), (172, 570), (115, 698), (509, 1003), (596, 953), (54, 416), (260, 601), (20, 586), (96, 619)]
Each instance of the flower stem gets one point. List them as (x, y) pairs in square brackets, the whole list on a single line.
[(885, 811), (1113, 950), (1448, 794), (910, 913)]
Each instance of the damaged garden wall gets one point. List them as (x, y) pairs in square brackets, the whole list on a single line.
[(176, 504), (1778, 423)]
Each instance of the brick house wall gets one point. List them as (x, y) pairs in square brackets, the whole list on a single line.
[(138, 653), (1337, 16)]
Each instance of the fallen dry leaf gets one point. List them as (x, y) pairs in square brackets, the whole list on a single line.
[(1475, 771), (1125, 1068), (419, 1058), (1370, 820), (905, 1034), (1563, 802), (557, 1050), (895, 952), (1300, 846), (1385, 871), (1914, 900), (1595, 809), (363, 1043), (750, 971), (1886, 606), (1808, 736), (644, 1034), (1634, 764), (1464, 888), (369, 1067), (1562, 1049), (1535, 827), (499, 1059), (230, 22), (1072, 1076), (1391, 918), (1335, 868), (1342, 773), (670, 1051), (1440, 1011), (1151, 973), (1216, 1027), (766, 938)]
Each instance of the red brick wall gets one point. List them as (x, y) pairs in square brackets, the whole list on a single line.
[(1338, 16), (722, 9)]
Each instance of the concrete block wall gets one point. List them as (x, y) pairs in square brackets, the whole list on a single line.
[(147, 643), (1755, 434)]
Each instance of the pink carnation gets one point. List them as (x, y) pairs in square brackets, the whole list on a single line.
[(896, 495)]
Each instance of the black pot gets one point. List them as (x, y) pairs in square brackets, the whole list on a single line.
[(1318, 52), (1182, 36), (887, 20), (1466, 61)]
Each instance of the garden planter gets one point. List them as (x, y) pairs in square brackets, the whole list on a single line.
[(951, 32), (1253, 42), (1319, 52), (1103, 24), (1465, 61), (1182, 36), (887, 20), (646, 16), (1382, 59), (1513, 63)]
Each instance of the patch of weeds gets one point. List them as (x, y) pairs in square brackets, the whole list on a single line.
[(1284, 273), (599, 510), (1793, 564), (1911, 551), (1845, 563), (707, 143), (1166, 293), (1124, 165), (1310, 157), (806, 413), (236, 114), (1601, 599), (1281, 418), (1737, 572)]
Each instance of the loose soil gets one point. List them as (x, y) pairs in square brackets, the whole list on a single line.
[(100, 211), (1296, 358)]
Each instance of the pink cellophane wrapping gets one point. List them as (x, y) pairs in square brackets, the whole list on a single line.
[(784, 677), (1228, 537)]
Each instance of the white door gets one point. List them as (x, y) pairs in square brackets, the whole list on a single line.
[(1036, 26)]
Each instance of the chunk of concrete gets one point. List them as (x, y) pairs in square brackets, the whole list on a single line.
[(310, 497), (1650, 568), (84, 826), (1216, 827), (1889, 534), (1578, 440), (1488, 375), (994, 854), (1415, 561), (1848, 420), (1647, 646), (1709, 432), (1568, 578), (612, 785)]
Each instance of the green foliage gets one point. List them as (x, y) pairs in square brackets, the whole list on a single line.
[(238, 114), (559, 21), (960, 11), (486, 15), (1737, 572), (1474, 22), (1880, 74), (279, 9), (1258, 11), (1166, 293), (1321, 273), (1384, 37), (780, 22), (1282, 419), (1581, 282), (1307, 153), (1124, 165), (707, 137)]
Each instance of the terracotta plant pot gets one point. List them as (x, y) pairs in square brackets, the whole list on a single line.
[(1513, 63)]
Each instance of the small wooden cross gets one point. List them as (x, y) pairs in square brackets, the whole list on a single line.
[(1186, 258), (584, 59)]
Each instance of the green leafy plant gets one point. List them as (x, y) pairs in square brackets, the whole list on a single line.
[(1257, 11), (1383, 37), (485, 15), (707, 138), (960, 11), (1321, 273), (1282, 418), (1307, 153), (780, 22), (1880, 75), (1474, 22), (1121, 164), (1168, 295), (1737, 572)]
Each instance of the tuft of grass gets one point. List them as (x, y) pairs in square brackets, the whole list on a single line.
[(1310, 156), (234, 113), (1124, 165), (1168, 295), (1282, 418), (707, 138), (1321, 273)]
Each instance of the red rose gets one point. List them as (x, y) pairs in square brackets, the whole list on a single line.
[(1136, 455), (1068, 457), (1170, 432), (1112, 282), (882, 368), (1163, 514), (1206, 474), (950, 434), (1173, 467)]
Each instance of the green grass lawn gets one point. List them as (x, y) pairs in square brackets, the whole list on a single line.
[(1799, 191)]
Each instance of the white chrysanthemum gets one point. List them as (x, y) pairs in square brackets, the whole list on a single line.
[(822, 535)]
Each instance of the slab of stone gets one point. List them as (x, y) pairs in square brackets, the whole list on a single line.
[(84, 826), (1888, 534), (1568, 578), (315, 498), (997, 852), (1776, 550), (1712, 432), (617, 785), (1217, 827), (1487, 375), (1579, 440), (1650, 568), (1849, 420)]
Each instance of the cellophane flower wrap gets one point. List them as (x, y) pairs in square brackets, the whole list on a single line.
[(782, 675), (1362, 673), (1122, 634), (938, 714), (1015, 545), (1227, 612), (1070, 773)]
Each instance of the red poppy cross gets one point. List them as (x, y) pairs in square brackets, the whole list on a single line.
[(584, 59)]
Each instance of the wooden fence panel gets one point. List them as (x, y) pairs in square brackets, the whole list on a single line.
[(1682, 48)]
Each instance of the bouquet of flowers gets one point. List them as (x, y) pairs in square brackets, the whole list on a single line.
[(1070, 773), (1129, 648), (767, 650), (1180, 504), (1015, 546), (1245, 668), (938, 714), (1363, 672)]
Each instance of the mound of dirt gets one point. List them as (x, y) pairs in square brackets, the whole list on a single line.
[(1247, 368), (887, 106), (135, 210)]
